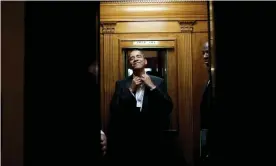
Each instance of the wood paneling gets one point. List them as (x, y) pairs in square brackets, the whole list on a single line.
[(185, 98), (172, 83), (155, 26), (180, 27), (142, 27), (201, 26), (102, 82), (159, 44), (109, 71), (180, 67), (152, 11), (148, 36)]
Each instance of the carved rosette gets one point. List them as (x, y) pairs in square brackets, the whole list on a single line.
[(186, 26), (108, 27)]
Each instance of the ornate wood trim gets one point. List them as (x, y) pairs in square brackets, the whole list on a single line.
[(149, 39), (187, 26), (108, 27), (186, 120), (151, 11), (146, 1), (109, 62), (185, 94)]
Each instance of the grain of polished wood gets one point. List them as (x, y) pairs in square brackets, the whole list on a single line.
[(129, 11)]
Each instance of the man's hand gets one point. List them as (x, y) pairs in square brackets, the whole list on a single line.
[(103, 142), (146, 79), (135, 83)]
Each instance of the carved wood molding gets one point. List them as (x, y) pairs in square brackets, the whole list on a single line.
[(148, 1), (185, 93), (187, 26), (124, 12), (108, 27)]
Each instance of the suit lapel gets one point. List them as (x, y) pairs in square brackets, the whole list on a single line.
[(146, 95), (145, 99), (128, 81)]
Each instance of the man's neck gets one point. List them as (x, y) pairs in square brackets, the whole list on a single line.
[(139, 72)]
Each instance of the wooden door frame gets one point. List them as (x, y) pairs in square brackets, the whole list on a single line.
[(164, 43), (111, 44)]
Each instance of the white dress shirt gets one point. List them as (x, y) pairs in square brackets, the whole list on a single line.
[(139, 96)]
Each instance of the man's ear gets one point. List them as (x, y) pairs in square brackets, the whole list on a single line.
[(146, 62)]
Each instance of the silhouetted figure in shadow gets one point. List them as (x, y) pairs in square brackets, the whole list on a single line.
[(94, 89)]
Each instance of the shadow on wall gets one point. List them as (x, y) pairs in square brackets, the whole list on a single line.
[(12, 82)]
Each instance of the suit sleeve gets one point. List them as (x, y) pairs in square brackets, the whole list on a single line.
[(120, 100), (115, 101), (205, 107), (162, 99), (113, 124)]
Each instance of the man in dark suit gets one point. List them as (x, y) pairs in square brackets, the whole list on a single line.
[(94, 91), (206, 98), (206, 109), (139, 113)]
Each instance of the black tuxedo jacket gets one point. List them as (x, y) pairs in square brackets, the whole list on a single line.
[(206, 107), (131, 129)]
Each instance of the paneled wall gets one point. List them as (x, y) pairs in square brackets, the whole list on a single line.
[(180, 26)]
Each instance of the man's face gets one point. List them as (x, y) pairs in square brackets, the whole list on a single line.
[(205, 53), (94, 69), (137, 60)]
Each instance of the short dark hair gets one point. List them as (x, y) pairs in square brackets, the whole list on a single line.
[(137, 49)]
